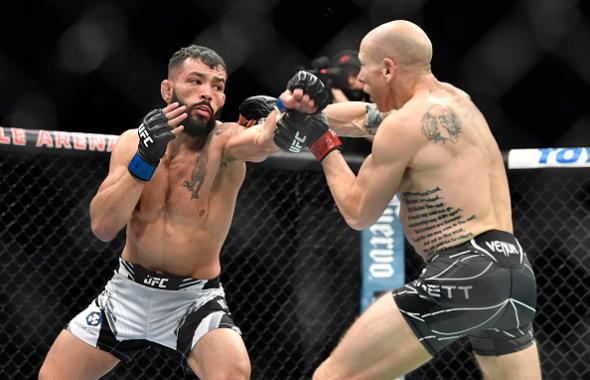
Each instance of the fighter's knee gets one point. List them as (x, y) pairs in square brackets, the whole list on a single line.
[(321, 373), (241, 371), (230, 376), (44, 372), (317, 374), (236, 371)]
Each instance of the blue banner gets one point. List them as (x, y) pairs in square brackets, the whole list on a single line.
[(382, 255)]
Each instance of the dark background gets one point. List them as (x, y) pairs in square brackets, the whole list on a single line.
[(96, 66)]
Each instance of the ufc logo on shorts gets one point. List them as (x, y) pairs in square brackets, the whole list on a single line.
[(156, 282), (144, 135), (296, 144)]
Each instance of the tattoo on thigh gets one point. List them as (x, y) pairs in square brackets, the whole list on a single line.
[(440, 123), (197, 177)]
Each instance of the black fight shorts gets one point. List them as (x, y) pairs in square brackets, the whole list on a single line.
[(483, 289)]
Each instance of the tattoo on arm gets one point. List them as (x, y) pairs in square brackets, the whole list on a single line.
[(225, 160), (440, 123), (197, 177), (374, 118)]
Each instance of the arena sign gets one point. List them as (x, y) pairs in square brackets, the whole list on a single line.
[(40, 138), (549, 158), (382, 255)]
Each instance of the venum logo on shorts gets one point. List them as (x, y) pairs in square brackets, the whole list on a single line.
[(503, 247), (93, 319)]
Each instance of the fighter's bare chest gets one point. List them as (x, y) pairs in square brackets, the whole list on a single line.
[(182, 186)]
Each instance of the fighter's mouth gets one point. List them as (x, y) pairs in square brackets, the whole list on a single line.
[(203, 109)]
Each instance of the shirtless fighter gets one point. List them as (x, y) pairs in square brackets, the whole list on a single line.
[(173, 183), (437, 150)]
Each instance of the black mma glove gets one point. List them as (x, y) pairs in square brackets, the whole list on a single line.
[(154, 136), (296, 130), (255, 108), (311, 86)]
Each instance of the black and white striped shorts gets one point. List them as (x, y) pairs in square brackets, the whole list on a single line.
[(484, 289), (139, 308)]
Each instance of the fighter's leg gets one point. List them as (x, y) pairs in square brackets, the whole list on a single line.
[(521, 365), (510, 351), (379, 345), (72, 358), (220, 354)]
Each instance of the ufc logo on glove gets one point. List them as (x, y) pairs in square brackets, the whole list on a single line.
[(297, 143), (144, 135)]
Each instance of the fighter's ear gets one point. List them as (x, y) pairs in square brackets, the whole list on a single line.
[(389, 68), (166, 90)]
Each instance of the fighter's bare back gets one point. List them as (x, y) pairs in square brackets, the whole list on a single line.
[(455, 186)]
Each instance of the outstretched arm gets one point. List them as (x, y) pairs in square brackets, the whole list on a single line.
[(354, 119), (351, 119), (361, 199), (254, 143)]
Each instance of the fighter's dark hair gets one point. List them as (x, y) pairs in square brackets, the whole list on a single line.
[(202, 53)]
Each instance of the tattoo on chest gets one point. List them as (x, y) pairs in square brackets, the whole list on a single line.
[(197, 177), (440, 123), (435, 223)]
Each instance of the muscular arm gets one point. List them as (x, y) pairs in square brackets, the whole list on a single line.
[(351, 119), (117, 196), (362, 199), (348, 118), (254, 143)]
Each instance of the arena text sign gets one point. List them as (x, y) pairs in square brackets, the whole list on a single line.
[(549, 158), (382, 255), (40, 138)]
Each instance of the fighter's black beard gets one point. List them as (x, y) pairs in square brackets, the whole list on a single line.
[(192, 125)]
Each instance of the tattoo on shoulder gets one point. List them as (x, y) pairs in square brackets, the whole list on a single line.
[(440, 123)]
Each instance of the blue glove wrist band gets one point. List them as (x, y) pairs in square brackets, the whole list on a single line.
[(141, 169), (281, 106)]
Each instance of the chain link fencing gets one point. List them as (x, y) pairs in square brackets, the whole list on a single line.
[(290, 268)]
